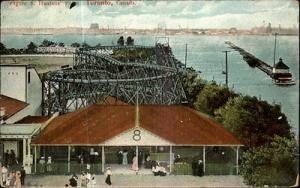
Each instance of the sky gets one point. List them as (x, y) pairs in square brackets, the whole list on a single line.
[(242, 14)]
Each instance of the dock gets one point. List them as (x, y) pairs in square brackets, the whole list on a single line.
[(252, 60)]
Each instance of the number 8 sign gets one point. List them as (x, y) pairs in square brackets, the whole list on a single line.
[(136, 135)]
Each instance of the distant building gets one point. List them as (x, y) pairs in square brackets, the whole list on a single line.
[(233, 30), (21, 88), (269, 28), (94, 26), (56, 50), (20, 110)]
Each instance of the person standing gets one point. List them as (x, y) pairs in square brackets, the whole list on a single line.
[(88, 179), (42, 164), (12, 157), (108, 174), (125, 161), (6, 157), (11, 179), (4, 175), (1, 185), (83, 180), (18, 179), (200, 168), (119, 155), (49, 164), (134, 164), (23, 174)]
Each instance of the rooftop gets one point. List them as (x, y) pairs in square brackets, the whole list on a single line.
[(33, 119), (98, 123), (11, 106), (281, 65)]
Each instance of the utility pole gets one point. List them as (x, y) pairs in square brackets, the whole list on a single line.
[(185, 59), (274, 51), (226, 67)]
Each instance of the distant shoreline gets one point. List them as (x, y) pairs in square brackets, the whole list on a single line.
[(150, 34), (257, 31), (37, 55)]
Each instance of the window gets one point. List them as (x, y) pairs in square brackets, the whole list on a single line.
[(28, 77)]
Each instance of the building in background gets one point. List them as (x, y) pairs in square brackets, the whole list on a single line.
[(20, 86), (20, 100)]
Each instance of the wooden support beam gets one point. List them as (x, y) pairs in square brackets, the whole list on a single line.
[(171, 159), (204, 152), (103, 159), (69, 159)]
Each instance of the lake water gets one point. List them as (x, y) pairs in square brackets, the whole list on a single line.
[(205, 54)]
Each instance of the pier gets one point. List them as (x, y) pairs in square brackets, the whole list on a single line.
[(252, 60)]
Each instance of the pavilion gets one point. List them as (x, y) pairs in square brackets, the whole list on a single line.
[(103, 128)]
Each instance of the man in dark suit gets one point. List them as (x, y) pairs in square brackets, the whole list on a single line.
[(23, 174)]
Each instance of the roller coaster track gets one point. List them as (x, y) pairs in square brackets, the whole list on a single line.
[(97, 73)]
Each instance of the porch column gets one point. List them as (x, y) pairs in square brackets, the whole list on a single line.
[(137, 156), (237, 160), (24, 151), (29, 152), (35, 159), (103, 159), (69, 158), (204, 152), (171, 159)]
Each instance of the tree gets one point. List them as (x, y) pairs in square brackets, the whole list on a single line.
[(61, 44), (85, 45), (47, 43), (254, 122), (3, 49), (121, 41), (75, 45), (192, 85), (98, 45), (129, 41), (213, 97), (273, 164), (31, 48)]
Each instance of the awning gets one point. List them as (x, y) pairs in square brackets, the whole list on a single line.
[(16, 131)]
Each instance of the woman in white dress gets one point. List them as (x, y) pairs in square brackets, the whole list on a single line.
[(134, 164), (125, 161)]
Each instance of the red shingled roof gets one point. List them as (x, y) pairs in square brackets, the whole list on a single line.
[(98, 123), (33, 119), (11, 106)]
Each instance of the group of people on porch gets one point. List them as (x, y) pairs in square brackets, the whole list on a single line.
[(45, 166), (10, 158), (125, 155)]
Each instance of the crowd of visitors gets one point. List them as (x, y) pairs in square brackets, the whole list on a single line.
[(13, 178), (85, 180)]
